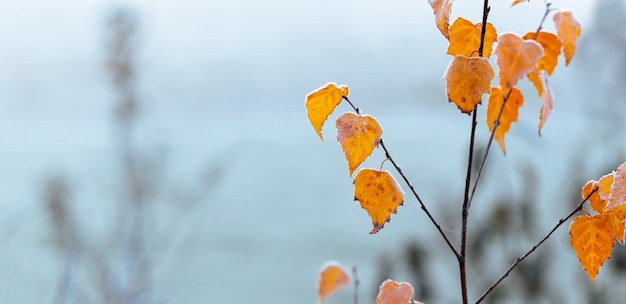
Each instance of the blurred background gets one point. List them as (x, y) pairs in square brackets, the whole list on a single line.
[(159, 152)]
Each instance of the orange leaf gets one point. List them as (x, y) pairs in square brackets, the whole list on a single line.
[(332, 279), (379, 194), (619, 225), (606, 183), (322, 102), (618, 188), (516, 58), (551, 50), (467, 79), (546, 95), (441, 9), (509, 113), (392, 292), (599, 200), (516, 2), (596, 203), (534, 78), (568, 30), (358, 136), (592, 240), (592, 237), (465, 38)]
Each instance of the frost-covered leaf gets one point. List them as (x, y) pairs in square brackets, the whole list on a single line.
[(358, 136), (441, 9), (379, 194), (465, 38), (322, 102), (332, 278), (509, 113), (516, 58), (467, 79)]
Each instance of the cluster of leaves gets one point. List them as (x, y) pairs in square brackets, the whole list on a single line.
[(592, 237), (376, 190), (468, 77), (333, 278), (534, 55)]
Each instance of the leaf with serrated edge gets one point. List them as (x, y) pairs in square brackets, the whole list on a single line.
[(465, 38), (322, 102), (358, 136), (568, 30), (379, 194), (591, 236), (592, 240), (516, 58), (467, 79)]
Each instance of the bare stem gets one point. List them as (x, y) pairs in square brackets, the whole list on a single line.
[(465, 211), (520, 259), (483, 30), (496, 124), (543, 20), (408, 183), (351, 104), (355, 278), (468, 177)]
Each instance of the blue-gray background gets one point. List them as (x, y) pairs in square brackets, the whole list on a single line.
[(241, 201)]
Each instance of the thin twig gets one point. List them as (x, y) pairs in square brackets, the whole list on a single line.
[(355, 278), (465, 210), (468, 178), (406, 180), (483, 30), (543, 20), (351, 104), (520, 259), (496, 124), (408, 183)]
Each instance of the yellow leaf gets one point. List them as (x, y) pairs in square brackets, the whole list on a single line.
[(509, 113), (467, 79), (568, 30), (592, 240), (379, 194), (332, 279), (392, 292), (441, 9), (516, 58), (322, 102), (465, 38), (358, 136)]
